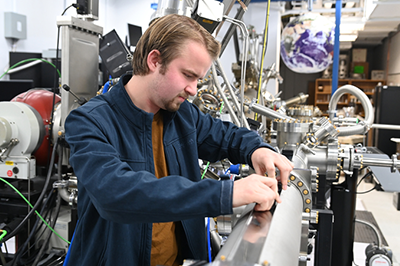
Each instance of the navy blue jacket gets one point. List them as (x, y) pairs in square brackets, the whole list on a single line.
[(119, 197)]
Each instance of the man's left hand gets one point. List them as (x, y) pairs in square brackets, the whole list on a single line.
[(265, 160)]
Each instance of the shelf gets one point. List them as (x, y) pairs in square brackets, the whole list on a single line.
[(323, 90), (339, 103)]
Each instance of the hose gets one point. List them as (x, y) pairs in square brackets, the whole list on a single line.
[(366, 104), (378, 236), (13, 68)]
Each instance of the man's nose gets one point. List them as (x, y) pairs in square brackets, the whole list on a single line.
[(191, 88)]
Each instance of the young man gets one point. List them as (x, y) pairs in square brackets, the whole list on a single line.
[(135, 152)]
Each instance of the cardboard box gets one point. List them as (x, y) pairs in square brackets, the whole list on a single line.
[(378, 74), (359, 55)]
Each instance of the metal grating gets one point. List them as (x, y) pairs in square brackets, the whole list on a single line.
[(364, 233)]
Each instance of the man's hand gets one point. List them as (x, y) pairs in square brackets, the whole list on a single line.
[(265, 160), (255, 188)]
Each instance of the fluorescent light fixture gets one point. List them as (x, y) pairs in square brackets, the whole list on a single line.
[(347, 37), (351, 27), (345, 45)]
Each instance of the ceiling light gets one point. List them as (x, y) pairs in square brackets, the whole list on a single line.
[(347, 37)]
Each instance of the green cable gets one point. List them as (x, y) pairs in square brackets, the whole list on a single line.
[(222, 107), (22, 196), (31, 59), (4, 232), (205, 170)]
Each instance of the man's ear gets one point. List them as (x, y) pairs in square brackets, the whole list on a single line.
[(153, 60)]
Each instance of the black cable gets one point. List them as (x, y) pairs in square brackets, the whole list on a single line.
[(39, 200), (50, 210), (362, 168), (46, 243), (58, 207), (21, 251), (365, 176), (65, 10), (365, 192), (56, 82), (3, 260)]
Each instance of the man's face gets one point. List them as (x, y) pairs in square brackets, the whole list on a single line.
[(179, 81)]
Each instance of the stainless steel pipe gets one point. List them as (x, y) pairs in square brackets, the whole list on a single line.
[(260, 237)]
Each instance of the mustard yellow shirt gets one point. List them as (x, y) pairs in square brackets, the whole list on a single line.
[(164, 246)]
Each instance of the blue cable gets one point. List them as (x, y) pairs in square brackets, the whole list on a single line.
[(106, 86), (209, 240), (69, 248)]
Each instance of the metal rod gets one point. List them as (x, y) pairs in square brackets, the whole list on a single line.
[(383, 126), (231, 29), (221, 92), (232, 93), (226, 80), (242, 26), (378, 162), (255, 107)]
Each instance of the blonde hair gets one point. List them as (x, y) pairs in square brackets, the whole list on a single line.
[(168, 34)]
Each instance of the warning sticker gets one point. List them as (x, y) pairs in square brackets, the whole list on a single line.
[(9, 173)]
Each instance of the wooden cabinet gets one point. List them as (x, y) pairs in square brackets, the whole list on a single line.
[(323, 92)]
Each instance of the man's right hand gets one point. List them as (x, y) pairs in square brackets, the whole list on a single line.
[(255, 188)]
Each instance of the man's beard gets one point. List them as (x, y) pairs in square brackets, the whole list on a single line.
[(173, 105)]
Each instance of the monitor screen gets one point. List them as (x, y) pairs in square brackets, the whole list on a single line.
[(134, 34), (11, 88), (34, 72)]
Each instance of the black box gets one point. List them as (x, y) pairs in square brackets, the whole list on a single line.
[(396, 200)]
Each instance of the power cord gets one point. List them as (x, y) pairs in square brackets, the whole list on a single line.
[(77, 6), (365, 176), (359, 182), (365, 192)]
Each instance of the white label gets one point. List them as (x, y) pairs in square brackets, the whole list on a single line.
[(380, 262)]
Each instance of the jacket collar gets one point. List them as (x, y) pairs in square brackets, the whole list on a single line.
[(119, 98)]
